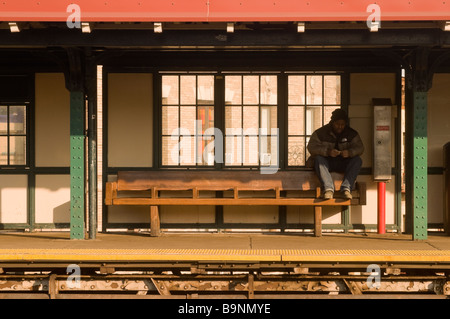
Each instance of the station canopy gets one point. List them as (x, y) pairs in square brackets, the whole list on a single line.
[(223, 11)]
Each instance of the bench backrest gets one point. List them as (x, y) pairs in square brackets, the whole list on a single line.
[(220, 180)]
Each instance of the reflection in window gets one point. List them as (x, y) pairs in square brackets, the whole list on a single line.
[(311, 100), (187, 120), (251, 120), (13, 139)]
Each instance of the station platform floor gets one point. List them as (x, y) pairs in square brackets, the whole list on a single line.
[(139, 246)]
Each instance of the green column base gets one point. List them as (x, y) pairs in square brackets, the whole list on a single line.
[(420, 163), (77, 166)]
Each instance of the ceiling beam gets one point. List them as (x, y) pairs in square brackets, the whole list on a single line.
[(207, 39)]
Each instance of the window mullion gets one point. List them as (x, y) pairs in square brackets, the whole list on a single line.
[(8, 136), (179, 122)]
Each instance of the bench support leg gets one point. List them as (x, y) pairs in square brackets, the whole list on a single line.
[(318, 221), (155, 230)]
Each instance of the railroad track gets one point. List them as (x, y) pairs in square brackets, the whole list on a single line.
[(239, 280)]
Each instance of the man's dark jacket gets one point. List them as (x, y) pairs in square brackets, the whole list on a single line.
[(324, 139)]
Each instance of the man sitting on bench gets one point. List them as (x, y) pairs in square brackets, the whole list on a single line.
[(336, 147)]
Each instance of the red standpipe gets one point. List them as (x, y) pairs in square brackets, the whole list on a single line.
[(381, 207)]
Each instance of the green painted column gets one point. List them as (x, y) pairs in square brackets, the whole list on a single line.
[(420, 166), (77, 166)]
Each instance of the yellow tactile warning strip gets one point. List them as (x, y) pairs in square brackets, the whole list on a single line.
[(225, 255)]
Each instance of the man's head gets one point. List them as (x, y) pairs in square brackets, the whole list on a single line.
[(339, 120)]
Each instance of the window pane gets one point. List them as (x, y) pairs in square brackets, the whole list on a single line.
[(205, 139), (169, 89), (296, 84), (332, 89), (251, 89), (187, 150), (269, 89), (17, 119), (296, 151), (188, 115), (268, 118), (188, 84), (17, 149), (251, 150), (233, 150), (308, 154), (3, 119), (170, 120), (205, 93), (170, 153), (233, 90), (313, 118), (314, 89), (268, 149), (327, 112), (205, 150), (296, 120), (3, 150), (251, 117), (205, 118), (233, 119)]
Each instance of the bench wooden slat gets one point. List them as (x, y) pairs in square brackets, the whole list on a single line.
[(145, 201), (220, 180)]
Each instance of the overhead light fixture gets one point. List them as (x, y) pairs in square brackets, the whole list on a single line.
[(14, 27), (85, 27), (157, 27), (300, 27), (445, 26), (230, 27)]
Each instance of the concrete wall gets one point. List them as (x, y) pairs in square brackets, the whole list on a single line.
[(438, 136), (130, 118), (52, 120), (13, 199), (52, 136)]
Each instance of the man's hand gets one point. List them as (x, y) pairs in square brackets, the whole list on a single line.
[(334, 152), (345, 154)]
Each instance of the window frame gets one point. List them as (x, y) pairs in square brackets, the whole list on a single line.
[(179, 105), (324, 120), (8, 134), (260, 106)]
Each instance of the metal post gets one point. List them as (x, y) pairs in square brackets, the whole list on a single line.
[(381, 207), (92, 145), (420, 165), (447, 188), (419, 78), (77, 165)]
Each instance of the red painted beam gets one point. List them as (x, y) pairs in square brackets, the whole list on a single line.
[(223, 10)]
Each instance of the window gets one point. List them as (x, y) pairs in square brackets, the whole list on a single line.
[(251, 120), (311, 100), (187, 120), (249, 123), (13, 135)]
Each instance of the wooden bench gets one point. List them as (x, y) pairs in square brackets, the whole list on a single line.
[(289, 188)]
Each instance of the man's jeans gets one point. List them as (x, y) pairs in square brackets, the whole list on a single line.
[(350, 166)]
